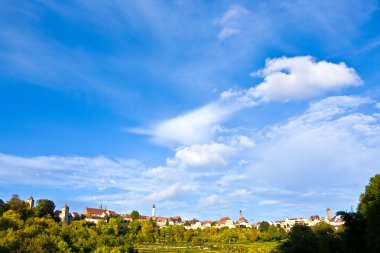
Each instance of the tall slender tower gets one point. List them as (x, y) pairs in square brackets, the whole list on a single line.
[(329, 216), (30, 201), (64, 214), (154, 212), (241, 214)]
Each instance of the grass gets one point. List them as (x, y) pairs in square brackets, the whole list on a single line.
[(256, 247)]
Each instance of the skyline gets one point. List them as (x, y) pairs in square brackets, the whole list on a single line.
[(200, 108)]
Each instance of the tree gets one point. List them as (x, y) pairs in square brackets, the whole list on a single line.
[(45, 207), (301, 240), (17, 205), (328, 241), (355, 232), (264, 226), (135, 215), (369, 208)]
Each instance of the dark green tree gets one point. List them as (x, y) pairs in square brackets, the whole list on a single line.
[(264, 226), (135, 215), (45, 207), (355, 230), (301, 240), (369, 208), (17, 205), (328, 240)]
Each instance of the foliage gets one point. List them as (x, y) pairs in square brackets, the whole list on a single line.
[(17, 205), (301, 239), (44, 234), (45, 207), (264, 226), (22, 230), (135, 215), (272, 233), (354, 234), (369, 208)]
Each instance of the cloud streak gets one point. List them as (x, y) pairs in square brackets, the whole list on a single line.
[(285, 79)]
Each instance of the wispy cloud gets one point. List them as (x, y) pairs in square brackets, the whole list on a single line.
[(232, 21), (286, 78)]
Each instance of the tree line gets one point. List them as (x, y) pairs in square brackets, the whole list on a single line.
[(25, 229)]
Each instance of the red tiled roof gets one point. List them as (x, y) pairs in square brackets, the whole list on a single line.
[(95, 211), (314, 217), (160, 219), (223, 220), (242, 220), (176, 219), (98, 212)]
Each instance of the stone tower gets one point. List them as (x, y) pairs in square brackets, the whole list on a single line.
[(329, 216), (154, 212), (241, 214), (64, 214), (30, 202)]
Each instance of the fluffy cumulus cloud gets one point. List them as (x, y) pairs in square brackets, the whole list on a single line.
[(301, 77)]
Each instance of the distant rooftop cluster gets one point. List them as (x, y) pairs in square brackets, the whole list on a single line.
[(101, 214)]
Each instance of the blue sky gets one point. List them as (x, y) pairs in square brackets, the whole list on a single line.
[(201, 107)]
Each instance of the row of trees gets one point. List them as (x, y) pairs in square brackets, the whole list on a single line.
[(25, 229), (44, 234)]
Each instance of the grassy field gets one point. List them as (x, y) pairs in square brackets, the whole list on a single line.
[(257, 247)]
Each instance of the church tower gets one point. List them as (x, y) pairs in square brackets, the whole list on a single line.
[(64, 214), (30, 202), (154, 212), (241, 214), (329, 216)]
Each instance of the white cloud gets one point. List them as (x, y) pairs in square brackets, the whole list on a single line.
[(329, 145), (300, 78), (197, 155), (231, 21), (212, 201), (284, 79), (173, 191), (242, 141), (268, 202), (192, 127), (228, 32), (240, 194)]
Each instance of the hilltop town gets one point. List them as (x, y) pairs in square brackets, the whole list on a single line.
[(101, 214)]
